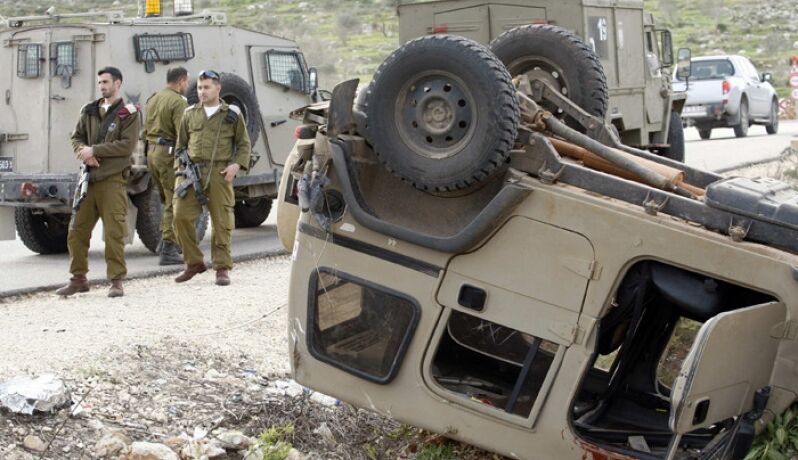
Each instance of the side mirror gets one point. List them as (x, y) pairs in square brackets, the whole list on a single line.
[(667, 48), (767, 77), (313, 79), (684, 67)]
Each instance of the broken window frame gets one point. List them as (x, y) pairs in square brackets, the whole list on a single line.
[(26, 67), (270, 70), (312, 325), (527, 420)]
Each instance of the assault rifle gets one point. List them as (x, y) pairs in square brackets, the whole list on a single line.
[(193, 177), (83, 187)]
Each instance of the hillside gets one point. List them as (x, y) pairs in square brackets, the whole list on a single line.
[(349, 38)]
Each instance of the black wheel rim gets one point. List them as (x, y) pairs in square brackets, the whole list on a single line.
[(435, 114)]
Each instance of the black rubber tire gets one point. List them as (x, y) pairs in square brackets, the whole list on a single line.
[(741, 129), (150, 213), (773, 126), (428, 83), (705, 134), (236, 91), (252, 212), (675, 138), (556, 49), (42, 233)]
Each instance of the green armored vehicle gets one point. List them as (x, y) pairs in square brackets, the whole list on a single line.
[(52, 61), (635, 56), (478, 256)]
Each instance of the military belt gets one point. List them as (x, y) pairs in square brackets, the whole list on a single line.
[(167, 142)]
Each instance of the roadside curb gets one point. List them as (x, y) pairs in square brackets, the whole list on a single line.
[(749, 164), (160, 271)]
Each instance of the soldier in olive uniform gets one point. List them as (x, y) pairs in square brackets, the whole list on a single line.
[(217, 141), (104, 140), (162, 119)]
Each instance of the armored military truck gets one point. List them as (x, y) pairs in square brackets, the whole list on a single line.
[(51, 63), (635, 56), (467, 261)]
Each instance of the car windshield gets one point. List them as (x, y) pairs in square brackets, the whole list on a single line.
[(715, 69)]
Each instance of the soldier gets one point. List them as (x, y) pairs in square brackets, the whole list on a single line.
[(104, 139), (217, 141), (163, 113)]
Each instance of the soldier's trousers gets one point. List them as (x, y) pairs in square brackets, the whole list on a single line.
[(220, 206), (162, 167), (106, 200)]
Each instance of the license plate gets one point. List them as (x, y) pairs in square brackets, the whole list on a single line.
[(694, 110), (6, 164)]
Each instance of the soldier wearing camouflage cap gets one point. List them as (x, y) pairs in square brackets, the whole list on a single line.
[(162, 120), (104, 140), (217, 140)]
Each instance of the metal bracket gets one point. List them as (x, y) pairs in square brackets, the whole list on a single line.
[(739, 231), (651, 206), (547, 176), (10, 137)]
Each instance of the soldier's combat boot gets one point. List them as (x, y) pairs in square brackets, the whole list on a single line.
[(169, 255), (190, 271), (222, 277), (116, 289), (78, 283)]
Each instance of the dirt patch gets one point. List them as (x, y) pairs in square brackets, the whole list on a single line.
[(184, 365)]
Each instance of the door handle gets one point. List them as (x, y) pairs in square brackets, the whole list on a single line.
[(57, 98), (277, 123)]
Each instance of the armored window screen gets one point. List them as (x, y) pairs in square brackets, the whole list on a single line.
[(360, 328), (29, 58), (164, 47), (63, 59), (284, 69)]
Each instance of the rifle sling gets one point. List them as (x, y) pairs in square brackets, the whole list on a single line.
[(109, 118)]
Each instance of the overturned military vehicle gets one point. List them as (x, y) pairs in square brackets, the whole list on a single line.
[(478, 256)]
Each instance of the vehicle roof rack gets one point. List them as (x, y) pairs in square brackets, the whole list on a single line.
[(118, 17)]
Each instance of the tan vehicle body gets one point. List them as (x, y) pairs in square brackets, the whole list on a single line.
[(42, 109), (551, 271), (620, 32)]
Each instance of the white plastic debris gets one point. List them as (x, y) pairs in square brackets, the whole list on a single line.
[(24, 395)]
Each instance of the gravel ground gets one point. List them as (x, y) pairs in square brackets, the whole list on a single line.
[(45, 332), (185, 368)]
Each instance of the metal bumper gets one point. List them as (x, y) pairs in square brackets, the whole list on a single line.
[(37, 190), (713, 115)]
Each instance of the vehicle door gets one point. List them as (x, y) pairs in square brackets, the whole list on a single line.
[(504, 309), (757, 94), (71, 84), (26, 119), (732, 357), (280, 78)]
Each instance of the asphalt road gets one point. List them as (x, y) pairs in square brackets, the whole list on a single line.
[(23, 270), (723, 150)]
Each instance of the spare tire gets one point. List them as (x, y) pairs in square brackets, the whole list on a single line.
[(559, 58), (236, 91), (442, 113)]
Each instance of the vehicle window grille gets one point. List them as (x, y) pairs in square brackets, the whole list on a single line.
[(63, 59), (29, 58), (163, 47), (284, 68)]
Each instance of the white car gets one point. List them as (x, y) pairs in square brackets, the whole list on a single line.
[(727, 91)]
